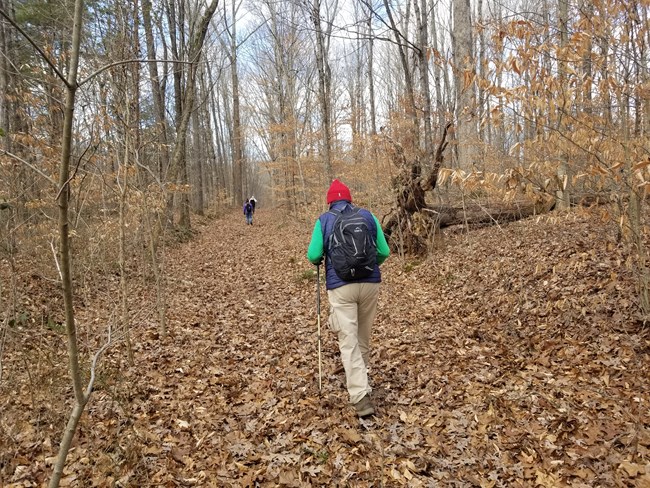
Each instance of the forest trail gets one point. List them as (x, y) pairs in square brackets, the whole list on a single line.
[(511, 358)]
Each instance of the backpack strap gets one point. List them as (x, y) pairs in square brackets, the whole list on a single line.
[(326, 242), (337, 213)]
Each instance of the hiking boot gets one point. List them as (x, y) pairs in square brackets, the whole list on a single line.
[(364, 407)]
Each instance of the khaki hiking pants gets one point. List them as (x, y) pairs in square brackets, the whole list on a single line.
[(352, 311)]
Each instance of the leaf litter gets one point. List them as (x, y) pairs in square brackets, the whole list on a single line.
[(511, 356)]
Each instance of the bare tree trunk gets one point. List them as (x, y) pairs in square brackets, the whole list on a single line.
[(500, 129), (371, 78), (157, 91), (219, 153), (129, 106), (207, 181), (323, 89), (131, 87), (603, 43), (81, 397), (177, 170), (153, 244), (638, 40), (237, 136), (5, 46), (184, 220), (423, 66), (587, 64), (448, 89), (645, 62), (636, 202), (482, 111), (563, 195), (356, 99), (227, 131), (66, 441), (437, 70), (123, 185), (199, 157), (464, 72), (371, 93)]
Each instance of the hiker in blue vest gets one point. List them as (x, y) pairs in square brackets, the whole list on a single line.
[(248, 212), (352, 284)]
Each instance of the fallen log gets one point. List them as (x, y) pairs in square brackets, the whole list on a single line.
[(413, 232), (494, 213)]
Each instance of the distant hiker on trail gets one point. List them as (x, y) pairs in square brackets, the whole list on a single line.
[(353, 244), (248, 212), (253, 201)]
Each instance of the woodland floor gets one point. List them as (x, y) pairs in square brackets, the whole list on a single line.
[(513, 356)]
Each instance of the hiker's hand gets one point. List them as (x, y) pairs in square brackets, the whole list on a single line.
[(319, 262)]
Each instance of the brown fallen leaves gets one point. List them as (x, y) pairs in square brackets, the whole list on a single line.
[(511, 357)]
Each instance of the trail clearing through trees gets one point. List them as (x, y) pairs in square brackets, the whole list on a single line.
[(512, 357)]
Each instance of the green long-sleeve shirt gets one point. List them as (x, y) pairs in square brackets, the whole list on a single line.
[(316, 249)]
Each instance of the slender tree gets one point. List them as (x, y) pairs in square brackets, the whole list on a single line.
[(81, 396), (464, 73), (237, 142), (324, 85), (5, 79), (563, 197), (157, 90)]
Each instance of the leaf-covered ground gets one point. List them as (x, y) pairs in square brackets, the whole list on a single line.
[(511, 357)]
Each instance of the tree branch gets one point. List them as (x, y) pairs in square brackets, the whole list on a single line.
[(430, 182), (93, 367), (29, 165), (38, 49), (127, 61)]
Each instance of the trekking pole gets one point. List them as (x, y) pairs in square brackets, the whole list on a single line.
[(320, 368)]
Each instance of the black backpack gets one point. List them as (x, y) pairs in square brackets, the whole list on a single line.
[(352, 249)]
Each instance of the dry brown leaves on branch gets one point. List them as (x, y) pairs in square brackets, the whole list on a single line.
[(511, 357)]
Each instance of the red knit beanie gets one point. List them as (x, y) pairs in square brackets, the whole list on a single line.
[(338, 191)]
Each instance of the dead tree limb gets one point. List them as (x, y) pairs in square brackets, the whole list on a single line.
[(412, 222), (409, 222)]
